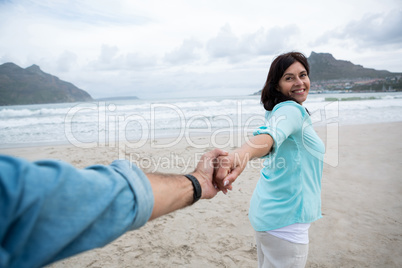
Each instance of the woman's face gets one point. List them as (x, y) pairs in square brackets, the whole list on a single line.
[(295, 82)]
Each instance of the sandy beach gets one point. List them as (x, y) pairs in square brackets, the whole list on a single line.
[(361, 205)]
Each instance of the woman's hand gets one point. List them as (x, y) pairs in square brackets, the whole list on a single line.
[(228, 168)]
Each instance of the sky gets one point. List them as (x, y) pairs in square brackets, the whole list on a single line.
[(178, 48)]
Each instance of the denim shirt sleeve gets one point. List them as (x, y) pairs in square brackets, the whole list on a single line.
[(49, 210)]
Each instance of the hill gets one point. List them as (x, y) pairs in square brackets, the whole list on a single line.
[(323, 66), (328, 73), (31, 85)]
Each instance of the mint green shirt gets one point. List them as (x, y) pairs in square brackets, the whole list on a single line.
[(289, 188)]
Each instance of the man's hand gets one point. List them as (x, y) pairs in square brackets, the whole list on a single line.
[(205, 170), (173, 192), (228, 168)]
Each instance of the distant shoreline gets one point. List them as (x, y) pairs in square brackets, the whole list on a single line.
[(118, 98)]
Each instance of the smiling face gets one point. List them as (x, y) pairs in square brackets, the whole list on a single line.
[(295, 82)]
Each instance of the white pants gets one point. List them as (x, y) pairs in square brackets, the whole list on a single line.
[(278, 253)]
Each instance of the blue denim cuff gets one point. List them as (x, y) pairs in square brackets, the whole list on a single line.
[(141, 188)]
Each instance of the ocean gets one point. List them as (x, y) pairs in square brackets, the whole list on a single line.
[(137, 121)]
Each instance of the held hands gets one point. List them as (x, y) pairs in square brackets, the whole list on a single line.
[(217, 170), (228, 168), (204, 172)]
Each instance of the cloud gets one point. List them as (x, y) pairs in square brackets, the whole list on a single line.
[(186, 53), (66, 61), (110, 59), (268, 42), (4, 2), (224, 44), (108, 54), (371, 31), (376, 29), (261, 42), (147, 47), (88, 12)]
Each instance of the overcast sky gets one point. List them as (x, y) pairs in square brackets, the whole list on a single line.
[(165, 49)]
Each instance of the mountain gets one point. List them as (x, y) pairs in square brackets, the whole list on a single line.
[(33, 86), (328, 73), (323, 66)]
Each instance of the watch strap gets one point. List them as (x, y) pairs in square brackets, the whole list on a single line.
[(196, 186)]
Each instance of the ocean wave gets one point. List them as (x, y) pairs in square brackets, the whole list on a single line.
[(88, 121), (8, 113)]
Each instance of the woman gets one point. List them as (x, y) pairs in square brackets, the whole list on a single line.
[(287, 197)]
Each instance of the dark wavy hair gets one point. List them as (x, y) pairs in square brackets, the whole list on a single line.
[(270, 95)]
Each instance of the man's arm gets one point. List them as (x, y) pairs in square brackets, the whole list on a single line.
[(50, 210), (173, 192)]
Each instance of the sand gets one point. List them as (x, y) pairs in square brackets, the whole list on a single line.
[(361, 204)]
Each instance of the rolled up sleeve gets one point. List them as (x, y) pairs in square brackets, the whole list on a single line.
[(142, 191), (284, 120), (50, 210)]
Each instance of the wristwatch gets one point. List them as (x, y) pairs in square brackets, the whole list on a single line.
[(196, 186)]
